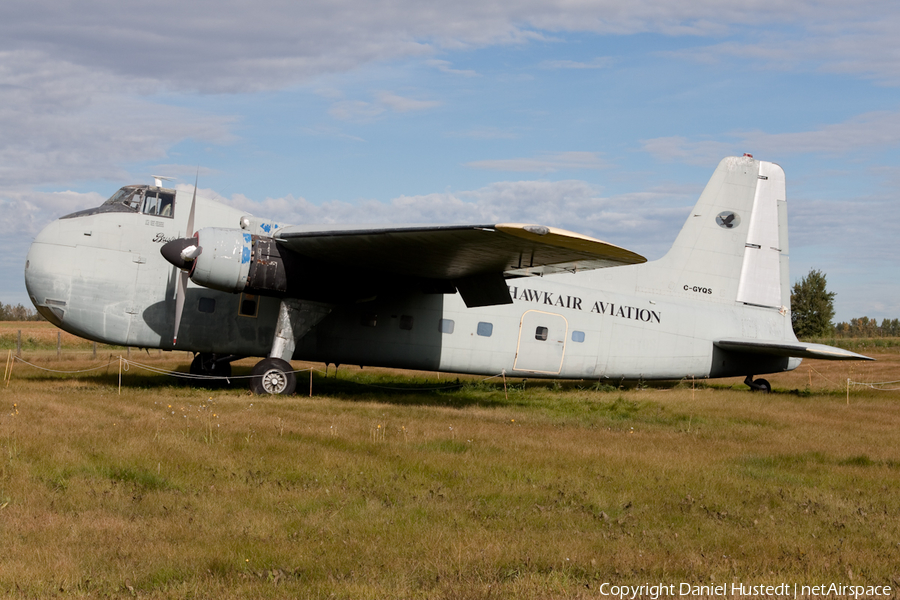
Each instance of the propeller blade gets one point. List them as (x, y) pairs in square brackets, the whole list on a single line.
[(181, 261), (190, 221), (180, 290)]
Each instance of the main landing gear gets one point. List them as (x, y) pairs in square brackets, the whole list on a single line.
[(274, 375), (758, 385)]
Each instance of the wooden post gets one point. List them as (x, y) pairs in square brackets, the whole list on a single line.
[(310, 382), (58, 344), (19, 344)]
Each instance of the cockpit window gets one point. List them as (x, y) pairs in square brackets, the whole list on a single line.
[(148, 200), (129, 196), (158, 203)]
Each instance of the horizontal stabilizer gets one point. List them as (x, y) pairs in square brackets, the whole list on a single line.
[(790, 349)]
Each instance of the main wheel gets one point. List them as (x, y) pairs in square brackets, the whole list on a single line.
[(273, 376), (757, 385), (761, 385)]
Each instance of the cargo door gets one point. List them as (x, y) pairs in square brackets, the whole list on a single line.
[(542, 342)]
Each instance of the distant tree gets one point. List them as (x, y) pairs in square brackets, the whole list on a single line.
[(812, 306), (890, 328), (864, 327), (8, 312)]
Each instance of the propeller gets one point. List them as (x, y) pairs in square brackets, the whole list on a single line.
[(181, 253)]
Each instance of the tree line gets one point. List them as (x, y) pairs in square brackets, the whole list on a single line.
[(812, 309), (8, 312), (864, 327)]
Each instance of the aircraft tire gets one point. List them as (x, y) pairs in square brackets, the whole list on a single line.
[(761, 385), (273, 376)]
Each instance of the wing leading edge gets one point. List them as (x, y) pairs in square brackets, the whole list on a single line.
[(790, 349)]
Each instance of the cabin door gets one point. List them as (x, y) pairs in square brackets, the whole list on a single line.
[(542, 342)]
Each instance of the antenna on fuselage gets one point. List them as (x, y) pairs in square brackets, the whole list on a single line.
[(158, 179)]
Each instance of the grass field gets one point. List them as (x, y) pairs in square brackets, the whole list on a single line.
[(406, 485)]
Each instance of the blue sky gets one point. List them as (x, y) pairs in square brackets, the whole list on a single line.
[(602, 117)]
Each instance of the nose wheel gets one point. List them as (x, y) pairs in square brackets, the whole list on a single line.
[(273, 376)]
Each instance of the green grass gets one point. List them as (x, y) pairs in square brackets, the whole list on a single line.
[(384, 486)]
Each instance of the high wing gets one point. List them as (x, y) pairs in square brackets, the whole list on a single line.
[(790, 349), (475, 258)]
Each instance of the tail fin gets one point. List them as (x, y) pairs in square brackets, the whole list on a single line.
[(734, 245)]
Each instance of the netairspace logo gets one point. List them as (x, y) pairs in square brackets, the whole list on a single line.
[(733, 590)]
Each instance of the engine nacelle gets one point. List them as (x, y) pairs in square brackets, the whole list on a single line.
[(224, 261)]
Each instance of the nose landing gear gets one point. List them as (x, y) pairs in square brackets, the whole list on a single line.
[(206, 364)]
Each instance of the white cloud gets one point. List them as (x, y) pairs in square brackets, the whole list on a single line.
[(268, 44), (62, 122), (402, 104), (361, 110), (646, 219), (866, 132), (445, 66), (485, 133), (544, 164), (601, 62), (862, 45)]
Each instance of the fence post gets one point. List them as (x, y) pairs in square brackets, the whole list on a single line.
[(19, 344)]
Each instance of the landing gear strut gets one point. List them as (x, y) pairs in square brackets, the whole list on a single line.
[(211, 365), (758, 385), (274, 375)]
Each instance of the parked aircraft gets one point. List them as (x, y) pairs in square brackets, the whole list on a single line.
[(156, 268)]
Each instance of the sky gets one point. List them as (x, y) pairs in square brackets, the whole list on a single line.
[(602, 117)]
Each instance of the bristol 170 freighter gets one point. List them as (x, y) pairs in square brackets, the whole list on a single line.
[(156, 268)]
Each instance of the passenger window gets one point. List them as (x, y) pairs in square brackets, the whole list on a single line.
[(578, 336), (541, 334), (207, 305), (485, 329), (406, 322), (446, 325), (249, 305)]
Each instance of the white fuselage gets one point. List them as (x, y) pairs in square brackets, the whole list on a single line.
[(101, 276)]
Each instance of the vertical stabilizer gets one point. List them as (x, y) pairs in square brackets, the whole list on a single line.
[(733, 246)]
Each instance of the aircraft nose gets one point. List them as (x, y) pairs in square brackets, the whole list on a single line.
[(48, 271)]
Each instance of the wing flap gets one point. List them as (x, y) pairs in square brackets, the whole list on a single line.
[(790, 349), (454, 252)]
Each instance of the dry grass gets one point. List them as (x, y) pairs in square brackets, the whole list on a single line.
[(366, 492)]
